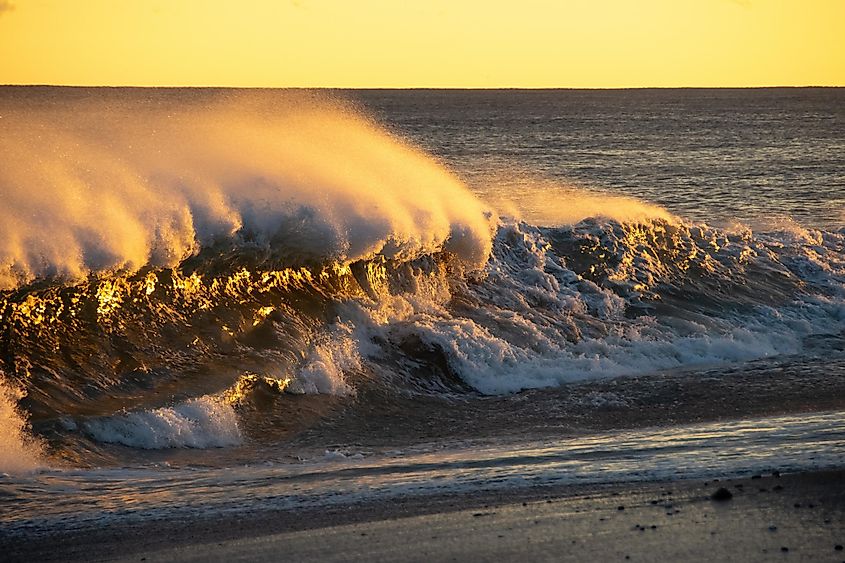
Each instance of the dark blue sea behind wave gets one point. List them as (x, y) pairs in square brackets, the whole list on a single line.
[(710, 155)]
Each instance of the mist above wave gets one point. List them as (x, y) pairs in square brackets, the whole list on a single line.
[(91, 186), (541, 201)]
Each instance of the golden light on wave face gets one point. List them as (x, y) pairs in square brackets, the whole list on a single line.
[(437, 43)]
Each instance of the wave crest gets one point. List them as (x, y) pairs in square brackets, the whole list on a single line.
[(204, 422), (288, 180)]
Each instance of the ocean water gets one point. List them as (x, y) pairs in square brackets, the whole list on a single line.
[(245, 300)]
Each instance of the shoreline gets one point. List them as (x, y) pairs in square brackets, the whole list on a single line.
[(575, 522)]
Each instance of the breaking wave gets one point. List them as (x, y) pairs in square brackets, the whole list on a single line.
[(197, 423), (236, 260)]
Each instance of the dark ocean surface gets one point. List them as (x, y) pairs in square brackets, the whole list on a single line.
[(709, 155)]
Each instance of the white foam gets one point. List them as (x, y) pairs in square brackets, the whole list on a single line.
[(122, 185), (534, 323), (339, 455), (205, 422), (326, 364), (19, 451)]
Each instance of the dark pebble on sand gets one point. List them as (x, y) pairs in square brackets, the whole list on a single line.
[(620, 508), (797, 505), (784, 549), (722, 494), (653, 527), (772, 528), (654, 502), (837, 547)]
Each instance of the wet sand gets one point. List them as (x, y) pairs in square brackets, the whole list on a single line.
[(798, 517)]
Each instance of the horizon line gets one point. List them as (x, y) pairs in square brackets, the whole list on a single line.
[(462, 88)]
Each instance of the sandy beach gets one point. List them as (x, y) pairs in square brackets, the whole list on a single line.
[(799, 517)]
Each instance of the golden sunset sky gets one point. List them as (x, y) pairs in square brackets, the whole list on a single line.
[(433, 43)]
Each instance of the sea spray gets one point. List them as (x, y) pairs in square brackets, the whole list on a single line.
[(550, 203), (19, 451), (95, 188)]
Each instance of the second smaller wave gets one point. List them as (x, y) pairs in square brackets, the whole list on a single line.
[(204, 422)]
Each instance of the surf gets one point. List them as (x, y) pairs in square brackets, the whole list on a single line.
[(214, 270)]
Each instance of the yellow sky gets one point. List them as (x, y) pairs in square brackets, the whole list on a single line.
[(431, 43)]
